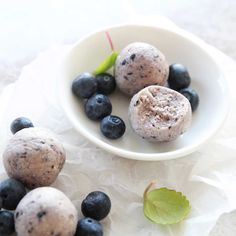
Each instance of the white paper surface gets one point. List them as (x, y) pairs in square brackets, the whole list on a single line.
[(207, 177)]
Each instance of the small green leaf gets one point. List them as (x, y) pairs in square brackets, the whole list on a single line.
[(107, 63), (165, 206)]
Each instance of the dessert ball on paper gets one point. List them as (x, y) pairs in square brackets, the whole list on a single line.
[(34, 157), (45, 211), (159, 114), (140, 65)]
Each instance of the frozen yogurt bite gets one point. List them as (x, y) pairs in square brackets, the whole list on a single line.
[(45, 211), (159, 114), (34, 157), (138, 66)]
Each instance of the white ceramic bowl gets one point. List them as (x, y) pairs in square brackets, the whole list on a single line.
[(178, 47)]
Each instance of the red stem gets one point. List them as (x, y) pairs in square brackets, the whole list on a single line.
[(149, 187), (110, 40)]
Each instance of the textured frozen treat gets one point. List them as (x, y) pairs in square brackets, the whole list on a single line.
[(159, 114), (140, 65), (45, 211), (34, 157)]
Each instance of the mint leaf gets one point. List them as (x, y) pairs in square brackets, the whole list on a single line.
[(165, 206), (107, 63)]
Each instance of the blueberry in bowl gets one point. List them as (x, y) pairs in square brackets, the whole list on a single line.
[(179, 77), (97, 107), (84, 85), (112, 127), (192, 96), (106, 83)]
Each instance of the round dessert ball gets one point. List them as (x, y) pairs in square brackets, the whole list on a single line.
[(159, 114), (138, 66), (45, 211), (34, 157)]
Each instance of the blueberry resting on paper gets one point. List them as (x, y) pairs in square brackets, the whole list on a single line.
[(20, 123), (96, 205)]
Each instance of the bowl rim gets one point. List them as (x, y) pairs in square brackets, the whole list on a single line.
[(139, 155)]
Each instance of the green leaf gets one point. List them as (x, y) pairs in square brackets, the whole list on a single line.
[(165, 206), (107, 63)]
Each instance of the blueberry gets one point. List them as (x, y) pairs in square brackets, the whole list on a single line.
[(192, 96), (106, 83), (96, 205), (20, 123), (7, 225), (112, 127), (98, 106), (89, 227), (11, 192), (179, 77), (84, 85)]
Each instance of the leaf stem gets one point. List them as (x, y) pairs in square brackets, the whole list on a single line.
[(110, 40), (149, 187)]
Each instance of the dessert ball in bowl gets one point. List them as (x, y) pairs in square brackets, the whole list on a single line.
[(177, 47)]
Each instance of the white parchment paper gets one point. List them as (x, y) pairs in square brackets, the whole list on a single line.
[(207, 177)]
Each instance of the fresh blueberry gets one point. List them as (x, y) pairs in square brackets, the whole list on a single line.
[(179, 77), (7, 225), (106, 83), (96, 205), (98, 106), (20, 123), (112, 127), (192, 96), (89, 227), (84, 85), (11, 192)]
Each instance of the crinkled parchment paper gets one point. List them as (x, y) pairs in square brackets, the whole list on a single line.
[(207, 177)]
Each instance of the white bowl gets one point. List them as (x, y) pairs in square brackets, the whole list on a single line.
[(178, 47)]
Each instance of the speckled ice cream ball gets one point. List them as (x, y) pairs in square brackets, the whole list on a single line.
[(45, 211), (34, 157), (138, 66), (159, 114)]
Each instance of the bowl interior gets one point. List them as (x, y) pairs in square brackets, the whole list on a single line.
[(206, 76)]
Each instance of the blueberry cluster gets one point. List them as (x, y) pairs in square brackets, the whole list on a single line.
[(11, 192), (95, 207), (179, 80), (98, 106)]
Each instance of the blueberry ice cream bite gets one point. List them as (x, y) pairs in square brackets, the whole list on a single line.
[(159, 114), (34, 157), (140, 65), (45, 211)]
